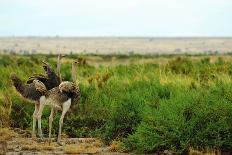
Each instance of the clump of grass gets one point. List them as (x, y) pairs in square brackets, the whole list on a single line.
[(37, 147), (30, 144), (6, 134), (193, 151), (180, 65), (114, 146), (5, 110), (80, 148)]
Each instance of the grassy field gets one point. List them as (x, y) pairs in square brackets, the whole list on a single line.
[(141, 104)]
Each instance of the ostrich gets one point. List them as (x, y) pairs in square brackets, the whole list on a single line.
[(29, 92), (59, 98)]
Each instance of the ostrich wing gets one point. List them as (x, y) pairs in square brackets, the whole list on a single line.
[(52, 79), (39, 77)]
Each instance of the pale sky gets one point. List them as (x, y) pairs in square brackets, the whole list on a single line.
[(154, 18)]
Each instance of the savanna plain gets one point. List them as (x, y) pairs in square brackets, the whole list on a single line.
[(129, 104)]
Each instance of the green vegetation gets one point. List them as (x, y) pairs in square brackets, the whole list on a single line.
[(148, 107)]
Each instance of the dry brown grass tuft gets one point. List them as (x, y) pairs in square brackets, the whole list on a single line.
[(30, 144), (193, 151), (6, 134), (98, 143), (5, 110), (75, 148), (37, 147), (114, 147)]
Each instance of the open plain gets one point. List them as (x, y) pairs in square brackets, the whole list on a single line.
[(115, 45)]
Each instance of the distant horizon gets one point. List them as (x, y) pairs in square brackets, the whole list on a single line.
[(58, 36), (114, 45)]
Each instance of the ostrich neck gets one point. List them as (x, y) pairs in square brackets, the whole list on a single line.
[(18, 85), (58, 67), (74, 71)]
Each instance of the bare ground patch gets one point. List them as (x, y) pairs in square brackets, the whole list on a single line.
[(16, 141)]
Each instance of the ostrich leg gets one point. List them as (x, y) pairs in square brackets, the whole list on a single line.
[(50, 123), (39, 115), (34, 119), (66, 107)]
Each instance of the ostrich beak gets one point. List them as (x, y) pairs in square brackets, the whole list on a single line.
[(60, 89), (61, 56), (34, 81)]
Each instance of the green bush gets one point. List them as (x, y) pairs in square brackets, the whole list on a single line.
[(6, 61), (198, 119), (122, 120)]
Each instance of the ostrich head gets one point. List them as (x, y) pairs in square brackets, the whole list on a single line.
[(14, 78), (16, 81), (45, 65)]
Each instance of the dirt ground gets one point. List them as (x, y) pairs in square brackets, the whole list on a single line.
[(18, 142)]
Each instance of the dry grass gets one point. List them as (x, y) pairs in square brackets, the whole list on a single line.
[(6, 134), (193, 151), (37, 147), (86, 146), (27, 144), (5, 110), (30, 144), (75, 148), (114, 147), (98, 143)]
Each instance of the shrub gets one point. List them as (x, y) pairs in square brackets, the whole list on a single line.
[(6, 61), (122, 121), (200, 120), (180, 66)]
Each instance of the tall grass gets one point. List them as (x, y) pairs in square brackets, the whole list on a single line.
[(147, 107)]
